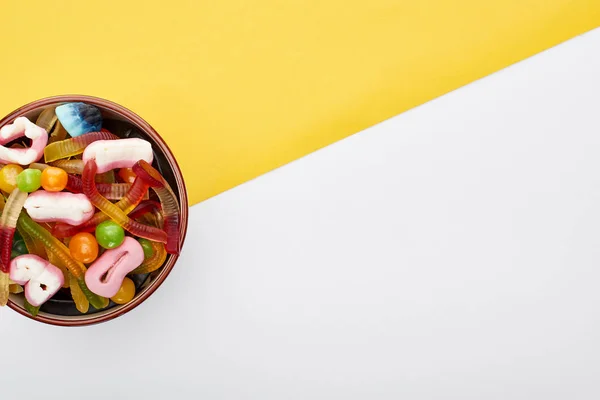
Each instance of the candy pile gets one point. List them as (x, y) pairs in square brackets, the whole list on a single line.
[(93, 212)]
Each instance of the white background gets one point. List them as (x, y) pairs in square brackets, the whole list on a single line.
[(452, 252)]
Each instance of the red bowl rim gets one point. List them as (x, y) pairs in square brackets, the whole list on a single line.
[(145, 127)]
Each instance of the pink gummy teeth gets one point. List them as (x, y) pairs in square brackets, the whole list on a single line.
[(39, 289), (41, 279), (120, 153), (24, 268), (105, 276), (22, 127), (71, 208)]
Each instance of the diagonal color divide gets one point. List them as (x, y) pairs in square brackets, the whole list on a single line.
[(240, 87)]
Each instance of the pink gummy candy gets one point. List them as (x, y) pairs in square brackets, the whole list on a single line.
[(71, 208), (105, 276), (22, 127), (120, 153), (41, 279), (41, 288)]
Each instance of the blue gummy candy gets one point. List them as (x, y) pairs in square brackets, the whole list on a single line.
[(79, 118)]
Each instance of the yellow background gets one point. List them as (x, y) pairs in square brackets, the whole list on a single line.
[(239, 87)]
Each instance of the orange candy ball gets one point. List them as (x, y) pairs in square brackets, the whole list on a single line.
[(84, 247), (54, 179)]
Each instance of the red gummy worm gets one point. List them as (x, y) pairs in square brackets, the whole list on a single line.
[(144, 207), (114, 212), (168, 201), (6, 240)]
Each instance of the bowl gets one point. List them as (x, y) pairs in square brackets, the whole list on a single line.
[(120, 120)]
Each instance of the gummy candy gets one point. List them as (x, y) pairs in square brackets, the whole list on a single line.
[(54, 260), (31, 309), (105, 275), (154, 262), (81, 302), (47, 118), (159, 254), (144, 207), (58, 133), (168, 201), (33, 246), (8, 224), (14, 288), (121, 153), (26, 267), (23, 156), (71, 208), (72, 147), (112, 191), (79, 118), (69, 166), (41, 288), (107, 177), (114, 212)]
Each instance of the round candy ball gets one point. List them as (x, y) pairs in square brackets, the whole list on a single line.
[(147, 246), (29, 180), (54, 179), (126, 292), (84, 247), (109, 234)]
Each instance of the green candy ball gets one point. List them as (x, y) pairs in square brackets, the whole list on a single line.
[(29, 180), (109, 234), (147, 246)]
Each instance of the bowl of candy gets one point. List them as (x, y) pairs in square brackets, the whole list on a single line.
[(93, 210)]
